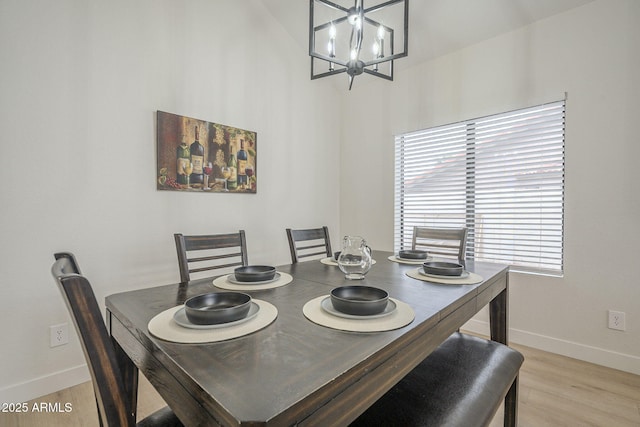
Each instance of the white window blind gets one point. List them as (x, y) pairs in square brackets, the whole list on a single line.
[(501, 176)]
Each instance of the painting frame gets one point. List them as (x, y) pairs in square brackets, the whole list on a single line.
[(195, 155)]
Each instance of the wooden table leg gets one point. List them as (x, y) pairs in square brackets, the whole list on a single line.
[(499, 325), (129, 373), (499, 315)]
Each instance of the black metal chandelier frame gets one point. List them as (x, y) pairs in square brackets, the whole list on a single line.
[(354, 65)]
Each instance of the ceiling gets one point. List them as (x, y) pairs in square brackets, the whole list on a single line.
[(437, 27)]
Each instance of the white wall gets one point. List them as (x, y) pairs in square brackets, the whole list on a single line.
[(80, 83), (593, 54)]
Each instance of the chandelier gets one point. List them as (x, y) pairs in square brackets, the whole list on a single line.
[(356, 39)]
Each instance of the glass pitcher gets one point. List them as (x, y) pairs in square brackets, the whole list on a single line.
[(355, 258)]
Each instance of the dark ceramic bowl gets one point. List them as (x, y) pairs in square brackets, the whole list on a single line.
[(440, 268), (413, 254), (217, 307), (255, 273), (359, 300)]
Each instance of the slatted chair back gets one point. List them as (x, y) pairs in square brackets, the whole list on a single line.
[(311, 242), (441, 242), (113, 408), (198, 254)]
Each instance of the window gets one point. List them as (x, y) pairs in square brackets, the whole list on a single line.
[(501, 176)]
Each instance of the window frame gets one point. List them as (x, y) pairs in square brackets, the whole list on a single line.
[(545, 138)]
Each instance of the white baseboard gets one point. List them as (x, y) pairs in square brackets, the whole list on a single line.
[(599, 356), (42, 386)]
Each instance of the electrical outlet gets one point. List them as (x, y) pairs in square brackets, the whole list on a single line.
[(616, 320), (59, 334)]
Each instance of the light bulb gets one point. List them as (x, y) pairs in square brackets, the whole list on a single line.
[(331, 46), (381, 32)]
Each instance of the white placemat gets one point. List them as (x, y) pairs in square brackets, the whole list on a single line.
[(332, 261), (394, 258), (402, 316), (222, 282), (473, 278), (164, 327)]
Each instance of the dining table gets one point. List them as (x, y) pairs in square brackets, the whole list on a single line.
[(294, 371)]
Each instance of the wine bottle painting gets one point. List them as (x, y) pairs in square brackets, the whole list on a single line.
[(199, 156)]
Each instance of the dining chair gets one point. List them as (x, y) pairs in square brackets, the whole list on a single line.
[(210, 252), (462, 383), (442, 242), (311, 242), (99, 351)]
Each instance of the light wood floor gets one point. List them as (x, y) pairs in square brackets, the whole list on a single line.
[(554, 391)]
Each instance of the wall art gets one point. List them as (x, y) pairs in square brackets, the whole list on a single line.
[(199, 156)]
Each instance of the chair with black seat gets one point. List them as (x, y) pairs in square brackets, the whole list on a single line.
[(441, 242), (114, 409), (310, 242), (462, 383), (210, 252)]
